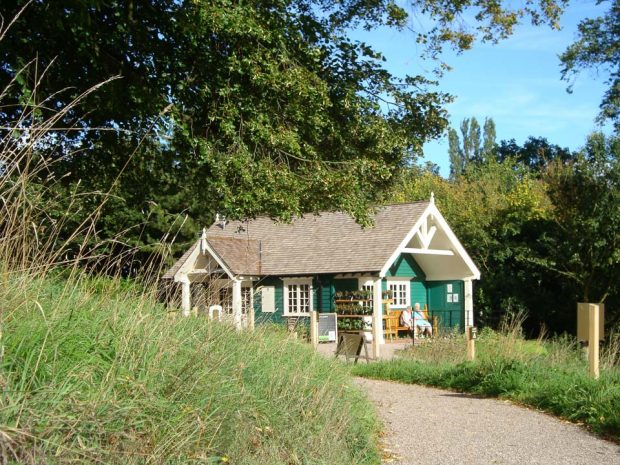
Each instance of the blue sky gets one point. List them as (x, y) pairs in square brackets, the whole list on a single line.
[(516, 82)]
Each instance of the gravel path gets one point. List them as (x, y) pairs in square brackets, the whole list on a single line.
[(427, 426)]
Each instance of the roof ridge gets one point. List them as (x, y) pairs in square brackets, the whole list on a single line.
[(415, 202)]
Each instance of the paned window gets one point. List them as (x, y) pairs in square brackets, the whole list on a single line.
[(400, 293), (226, 300), (367, 285), (298, 296), (246, 299)]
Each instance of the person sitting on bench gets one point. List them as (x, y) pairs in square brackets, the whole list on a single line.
[(422, 325), (406, 319)]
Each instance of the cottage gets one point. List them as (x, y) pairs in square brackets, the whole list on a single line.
[(279, 272)]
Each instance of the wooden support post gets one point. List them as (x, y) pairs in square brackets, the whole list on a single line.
[(593, 340), (377, 318), (186, 297), (236, 303), (471, 344), (250, 317), (469, 303), (469, 320), (314, 328)]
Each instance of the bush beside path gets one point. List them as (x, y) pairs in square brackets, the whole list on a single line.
[(426, 426)]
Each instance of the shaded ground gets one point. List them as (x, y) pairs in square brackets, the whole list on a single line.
[(427, 426), (388, 351)]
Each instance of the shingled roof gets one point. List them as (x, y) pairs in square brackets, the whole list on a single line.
[(241, 255), (330, 242)]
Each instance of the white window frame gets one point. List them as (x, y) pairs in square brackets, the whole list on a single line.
[(246, 304), (224, 299), (224, 286), (296, 282), (364, 283), (407, 284)]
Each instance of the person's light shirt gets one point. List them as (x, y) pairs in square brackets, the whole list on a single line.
[(406, 318)]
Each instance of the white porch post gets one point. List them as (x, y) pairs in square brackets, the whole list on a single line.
[(377, 316), (469, 304), (236, 303), (186, 296)]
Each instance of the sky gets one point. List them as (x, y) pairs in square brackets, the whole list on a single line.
[(516, 82)]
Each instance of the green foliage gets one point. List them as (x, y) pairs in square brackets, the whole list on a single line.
[(551, 376), (220, 106), (536, 153), (583, 239), (598, 47), (542, 225), (95, 371), (473, 150)]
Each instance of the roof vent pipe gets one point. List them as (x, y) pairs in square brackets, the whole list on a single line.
[(203, 241), (221, 220)]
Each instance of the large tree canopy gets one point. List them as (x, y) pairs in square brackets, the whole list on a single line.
[(598, 47), (239, 107)]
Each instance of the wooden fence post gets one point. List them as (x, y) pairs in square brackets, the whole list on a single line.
[(250, 317), (593, 340), (314, 328), (471, 343)]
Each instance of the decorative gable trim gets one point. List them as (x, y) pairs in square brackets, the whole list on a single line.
[(205, 247), (404, 242), (475, 272), (187, 266), (426, 235)]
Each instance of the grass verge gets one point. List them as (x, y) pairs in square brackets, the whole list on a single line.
[(548, 375), (95, 371)]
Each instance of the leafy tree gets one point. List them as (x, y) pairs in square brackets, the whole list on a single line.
[(473, 149), (244, 108), (455, 153), (488, 147), (535, 153), (598, 47), (583, 242), (542, 224), (470, 131)]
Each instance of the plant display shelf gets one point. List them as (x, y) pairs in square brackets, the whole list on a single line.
[(353, 316)]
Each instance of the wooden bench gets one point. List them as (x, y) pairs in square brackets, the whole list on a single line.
[(396, 314), (393, 326)]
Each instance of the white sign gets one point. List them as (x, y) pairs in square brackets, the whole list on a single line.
[(455, 298), (449, 298), (268, 299), (449, 287)]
